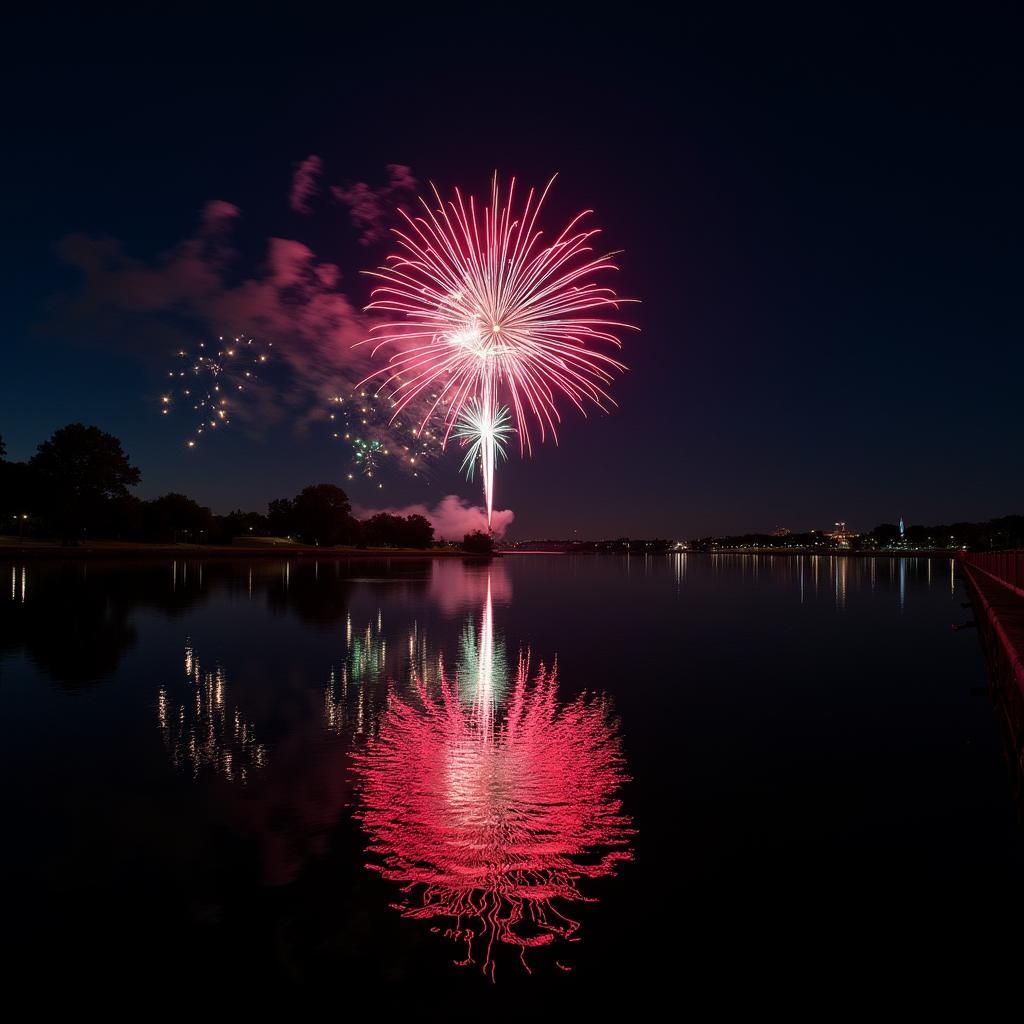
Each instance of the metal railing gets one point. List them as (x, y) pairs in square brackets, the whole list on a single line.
[(1005, 566)]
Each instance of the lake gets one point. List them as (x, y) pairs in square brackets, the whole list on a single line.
[(537, 777)]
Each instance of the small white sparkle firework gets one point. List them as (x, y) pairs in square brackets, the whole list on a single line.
[(212, 379), (485, 433), (488, 314)]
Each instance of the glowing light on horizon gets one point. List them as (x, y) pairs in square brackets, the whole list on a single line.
[(488, 314)]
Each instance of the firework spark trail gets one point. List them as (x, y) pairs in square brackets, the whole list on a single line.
[(375, 437), (487, 311), (228, 378), (485, 432)]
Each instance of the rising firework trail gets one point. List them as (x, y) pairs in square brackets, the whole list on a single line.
[(485, 434), (484, 312)]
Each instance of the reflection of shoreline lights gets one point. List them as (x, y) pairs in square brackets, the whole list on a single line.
[(490, 815), (203, 734), (353, 698), (14, 584)]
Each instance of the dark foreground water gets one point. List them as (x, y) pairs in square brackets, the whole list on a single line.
[(546, 776)]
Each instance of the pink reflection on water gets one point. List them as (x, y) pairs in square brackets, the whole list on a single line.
[(490, 812), (456, 586)]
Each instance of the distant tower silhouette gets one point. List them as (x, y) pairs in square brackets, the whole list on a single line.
[(902, 528)]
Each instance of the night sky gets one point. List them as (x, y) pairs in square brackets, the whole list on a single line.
[(822, 218)]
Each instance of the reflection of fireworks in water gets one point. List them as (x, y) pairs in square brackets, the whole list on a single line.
[(491, 812), (354, 698), (212, 380), (203, 733), (482, 668), (364, 681)]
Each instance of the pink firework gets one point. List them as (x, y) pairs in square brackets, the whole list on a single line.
[(488, 313)]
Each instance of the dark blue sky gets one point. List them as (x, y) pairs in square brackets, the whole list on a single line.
[(822, 218)]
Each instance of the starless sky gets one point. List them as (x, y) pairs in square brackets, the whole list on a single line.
[(822, 218)]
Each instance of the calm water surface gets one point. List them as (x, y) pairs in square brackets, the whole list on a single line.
[(544, 775)]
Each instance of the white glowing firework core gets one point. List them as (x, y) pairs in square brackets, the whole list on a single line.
[(485, 431), (485, 309)]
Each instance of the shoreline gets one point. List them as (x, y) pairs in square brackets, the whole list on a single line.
[(131, 549), (12, 549), (783, 552)]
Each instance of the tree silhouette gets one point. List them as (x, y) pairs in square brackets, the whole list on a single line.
[(175, 516), (281, 517), (322, 515), (17, 495), (419, 531), (478, 543), (79, 471), (413, 531)]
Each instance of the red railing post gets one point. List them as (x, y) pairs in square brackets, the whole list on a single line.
[(1005, 566)]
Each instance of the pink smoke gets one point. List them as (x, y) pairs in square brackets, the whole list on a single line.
[(372, 209), (452, 517), (291, 300), (304, 184), (202, 288)]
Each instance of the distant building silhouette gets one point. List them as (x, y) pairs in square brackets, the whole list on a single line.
[(842, 536)]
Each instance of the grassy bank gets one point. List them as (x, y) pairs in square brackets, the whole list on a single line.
[(263, 547)]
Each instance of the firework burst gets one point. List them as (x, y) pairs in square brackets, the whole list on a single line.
[(485, 434), (368, 454), (486, 313), (211, 381), (375, 438)]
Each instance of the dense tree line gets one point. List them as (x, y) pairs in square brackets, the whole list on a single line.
[(77, 487), (991, 535)]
